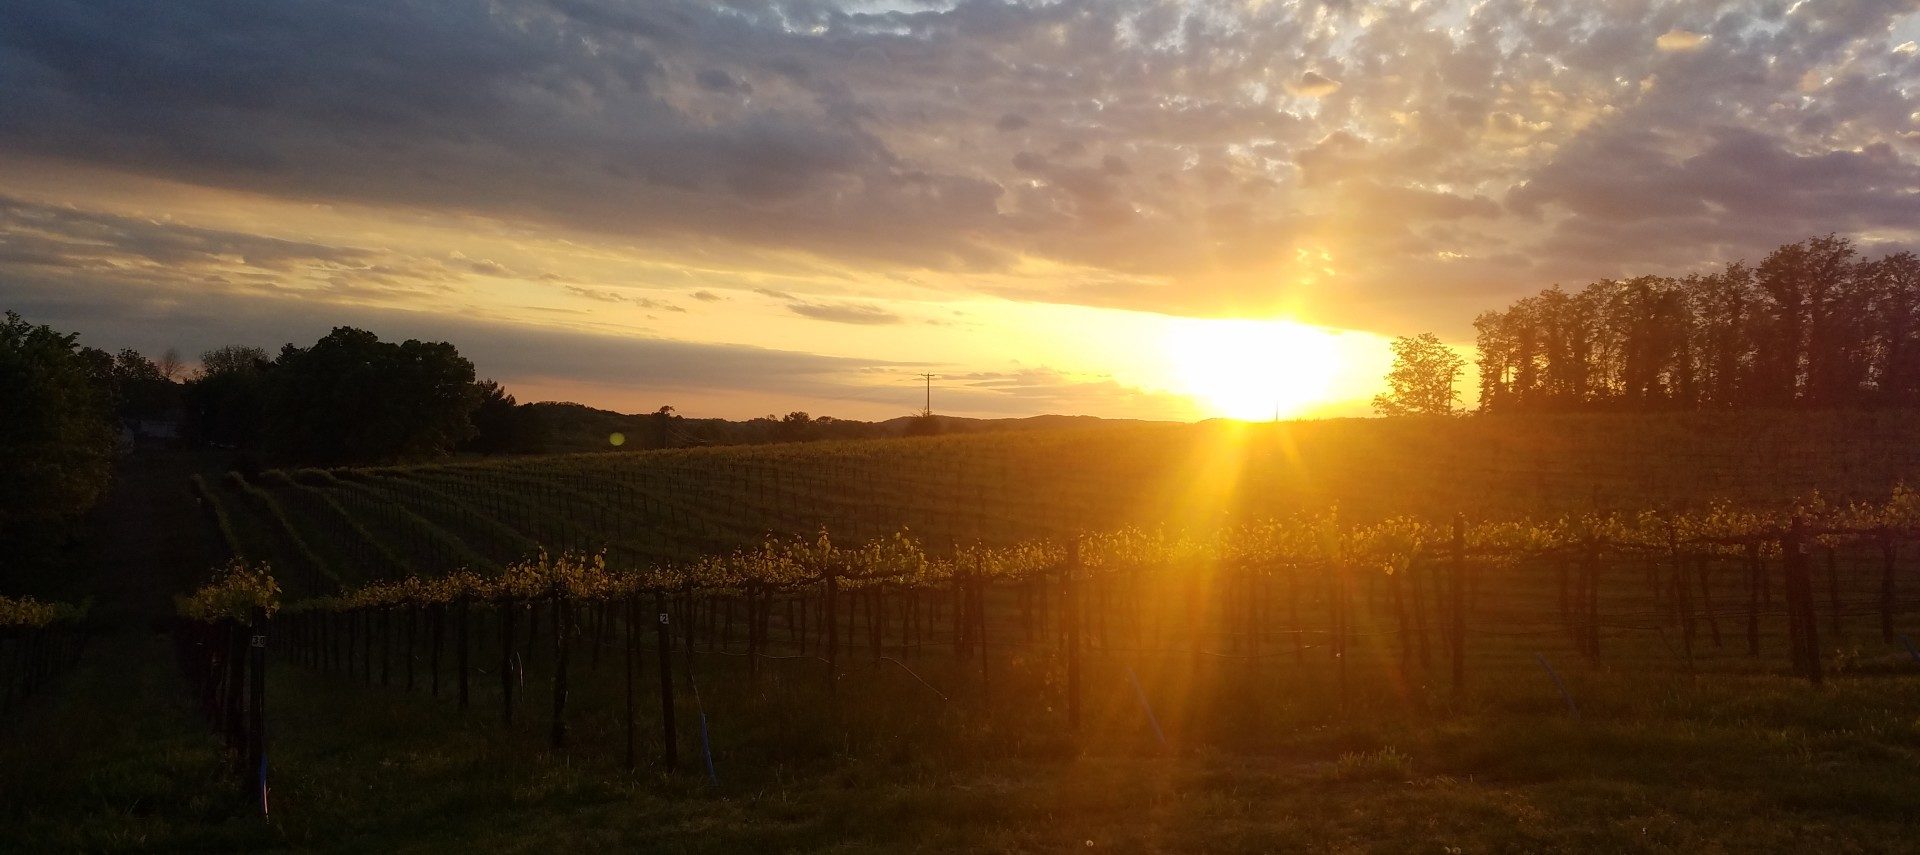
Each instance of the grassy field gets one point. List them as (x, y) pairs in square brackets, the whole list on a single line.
[(1724, 763), (1644, 749)]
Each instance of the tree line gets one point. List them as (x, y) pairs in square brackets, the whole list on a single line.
[(351, 399), (1814, 324)]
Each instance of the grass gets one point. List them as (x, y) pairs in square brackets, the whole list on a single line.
[(1733, 761)]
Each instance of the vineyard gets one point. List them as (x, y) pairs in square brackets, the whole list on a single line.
[(322, 529), (1526, 633), (1157, 575), (37, 641)]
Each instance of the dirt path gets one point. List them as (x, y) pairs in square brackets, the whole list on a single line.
[(147, 539), (113, 757)]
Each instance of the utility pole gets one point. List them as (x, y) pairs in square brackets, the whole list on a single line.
[(928, 411)]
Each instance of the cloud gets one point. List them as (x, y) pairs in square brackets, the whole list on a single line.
[(706, 296), (1313, 84), (844, 313), (1679, 39), (608, 295), (482, 266), (81, 246), (1157, 155), (511, 352), (718, 80)]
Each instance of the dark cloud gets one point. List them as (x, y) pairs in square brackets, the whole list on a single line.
[(718, 80), (113, 315), (1172, 156), (82, 246)]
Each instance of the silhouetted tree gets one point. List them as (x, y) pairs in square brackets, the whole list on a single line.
[(924, 424), (1811, 325), (56, 435), (662, 420), (1421, 382), (796, 426), (141, 389), (169, 365), (354, 399), (226, 400), (501, 425)]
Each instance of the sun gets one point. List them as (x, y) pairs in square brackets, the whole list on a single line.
[(1252, 369)]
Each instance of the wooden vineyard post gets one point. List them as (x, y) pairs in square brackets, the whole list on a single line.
[(1887, 556), (1070, 611), (1756, 573), (438, 618), (1293, 615), (1803, 631), (237, 636), (1834, 611), (256, 753), (980, 631), (1591, 592), (506, 660), (689, 623), (561, 628), (961, 616), (832, 618), (460, 659), (1702, 568), (1342, 616), (670, 749), (753, 631), (630, 618), (386, 644), (1682, 602), (413, 625), (533, 630), (1420, 615), (1459, 604), (1401, 619)]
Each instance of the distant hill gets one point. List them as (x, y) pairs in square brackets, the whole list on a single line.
[(566, 427)]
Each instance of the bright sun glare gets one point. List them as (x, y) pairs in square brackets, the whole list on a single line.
[(1252, 369)]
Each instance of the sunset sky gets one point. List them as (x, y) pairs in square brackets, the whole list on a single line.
[(1155, 209)]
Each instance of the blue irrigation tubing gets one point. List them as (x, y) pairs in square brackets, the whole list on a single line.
[(706, 746), (1145, 707), (1559, 685), (1911, 650)]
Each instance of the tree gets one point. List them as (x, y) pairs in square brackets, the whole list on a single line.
[(1811, 325), (796, 426), (1422, 379), (56, 435), (233, 357), (662, 421), (141, 388), (169, 364), (226, 399), (501, 425), (353, 399)]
